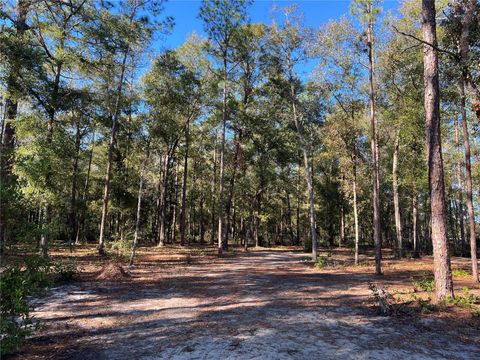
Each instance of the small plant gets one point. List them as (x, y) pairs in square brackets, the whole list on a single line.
[(427, 284), (460, 273), (322, 261), (65, 272), (466, 301), (382, 298)]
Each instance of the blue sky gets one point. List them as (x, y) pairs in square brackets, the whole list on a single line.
[(316, 12)]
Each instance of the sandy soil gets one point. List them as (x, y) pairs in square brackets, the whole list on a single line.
[(256, 305)]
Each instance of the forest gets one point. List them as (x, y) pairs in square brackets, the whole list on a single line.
[(347, 149)]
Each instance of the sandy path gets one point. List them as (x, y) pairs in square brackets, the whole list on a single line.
[(261, 305)]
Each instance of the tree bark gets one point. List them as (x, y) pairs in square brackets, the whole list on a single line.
[(214, 181), (396, 200), (442, 268), (416, 247), (221, 235), (184, 185), (163, 201), (460, 212), (81, 225), (355, 208), (468, 178), (139, 207), (8, 134), (377, 237), (72, 218)]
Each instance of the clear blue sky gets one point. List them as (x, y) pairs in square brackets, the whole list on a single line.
[(316, 12)]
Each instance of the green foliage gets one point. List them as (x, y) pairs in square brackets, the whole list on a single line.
[(65, 272), (324, 261), (466, 300), (427, 284), (16, 285)]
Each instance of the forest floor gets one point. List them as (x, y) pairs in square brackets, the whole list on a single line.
[(179, 303)]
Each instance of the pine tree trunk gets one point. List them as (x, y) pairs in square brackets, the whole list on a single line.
[(81, 225), (355, 208), (139, 207), (214, 181), (377, 237), (468, 178), (308, 172), (184, 186), (416, 247), (442, 268), (8, 134), (221, 235), (163, 201), (396, 200), (72, 217), (460, 212), (111, 146)]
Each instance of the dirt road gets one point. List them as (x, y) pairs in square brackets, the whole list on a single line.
[(260, 305)]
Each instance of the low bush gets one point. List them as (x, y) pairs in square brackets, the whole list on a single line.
[(17, 283), (426, 283), (382, 299)]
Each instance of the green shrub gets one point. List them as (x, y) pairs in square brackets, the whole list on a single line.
[(16, 284), (65, 272), (426, 284), (322, 261), (466, 301)]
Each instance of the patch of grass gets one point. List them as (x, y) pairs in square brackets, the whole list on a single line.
[(460, 273)]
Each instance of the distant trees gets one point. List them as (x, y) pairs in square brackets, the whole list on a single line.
[(222, 19), (257, 134)]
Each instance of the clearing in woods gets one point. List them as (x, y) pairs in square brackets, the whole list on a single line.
[(255, 305)]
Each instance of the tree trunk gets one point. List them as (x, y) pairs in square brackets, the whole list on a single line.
[(8, 134), (173, 227), (163, 201), (396, 200), (111, 146), (81, 225), (221, 235), (374, 147), (184, 186), (289, 220), (214, 181), (308, 171), (442, 268), (72, 217), (139, 207), (460, 211), (416, 250), (355, 209), (466, 21), (468, 178)]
